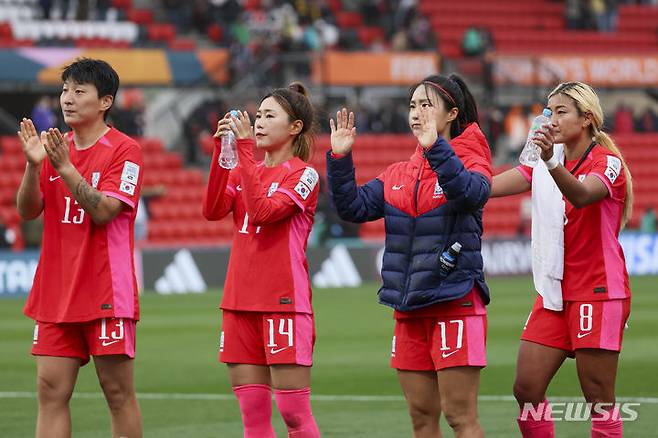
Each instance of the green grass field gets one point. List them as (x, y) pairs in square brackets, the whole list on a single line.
[(185, 392)]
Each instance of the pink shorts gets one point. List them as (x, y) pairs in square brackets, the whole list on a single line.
[(436, 343), (259, 338), (100, 337), (594, 324)]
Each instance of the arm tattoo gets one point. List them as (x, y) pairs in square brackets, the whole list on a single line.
[(86, 195)]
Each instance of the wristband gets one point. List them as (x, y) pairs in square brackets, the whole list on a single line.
[(552, 162)]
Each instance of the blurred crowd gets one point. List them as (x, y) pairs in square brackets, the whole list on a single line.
[(601, 15)]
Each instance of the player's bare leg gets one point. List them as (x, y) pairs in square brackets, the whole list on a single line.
[(458, 387), (421, 391), (292, 393), (597, 372), (245, 374), (56, 378), (536, 365), (115, 374)]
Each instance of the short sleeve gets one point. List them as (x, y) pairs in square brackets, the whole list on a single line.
[(609, 169), (302, 186), (123, 178), (526, 172)]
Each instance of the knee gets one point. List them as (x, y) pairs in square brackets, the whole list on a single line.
[(459, 414), (423, 416), (51, 391), (597, 391), (525, 392), (116, 395)]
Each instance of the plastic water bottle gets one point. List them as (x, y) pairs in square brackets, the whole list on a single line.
[(448, 259), (531, 153), (228, 154)]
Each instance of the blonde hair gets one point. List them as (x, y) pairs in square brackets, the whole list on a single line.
[(588, 102)]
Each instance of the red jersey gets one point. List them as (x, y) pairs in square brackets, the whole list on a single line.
[(86, 271), (273, 210), (594, 264)]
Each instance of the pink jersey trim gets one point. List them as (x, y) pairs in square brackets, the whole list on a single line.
[(287, 165), (476, 335), (105, 141), (303, 339), (480, 308), (121, 198), (231, 190), (121, 266), (612, 259), (299, 230), (293, 197), (524, 173), (611, 325), (131, 336)]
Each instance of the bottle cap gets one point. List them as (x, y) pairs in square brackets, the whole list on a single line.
[(547, 112), (456, 246)]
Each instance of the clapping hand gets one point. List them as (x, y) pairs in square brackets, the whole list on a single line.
[(32, 145), (343, 132)]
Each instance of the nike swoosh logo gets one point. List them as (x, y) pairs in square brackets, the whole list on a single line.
[(278, 350), (444, 354), (582, 335), (397, 187), (53, 178), (106, 343), (238, 188)]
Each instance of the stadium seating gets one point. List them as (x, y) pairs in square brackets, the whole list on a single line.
[(538, 27)]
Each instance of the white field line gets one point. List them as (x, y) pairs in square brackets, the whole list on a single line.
[(316, 397)]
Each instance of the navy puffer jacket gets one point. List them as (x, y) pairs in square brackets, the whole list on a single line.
[(428, 203)]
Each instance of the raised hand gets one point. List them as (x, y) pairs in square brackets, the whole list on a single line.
[(32, 144), (545, 138), (343, 132), (57, 149), (428, 133)]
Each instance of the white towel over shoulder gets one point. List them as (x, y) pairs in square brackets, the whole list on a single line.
[(548, 234)]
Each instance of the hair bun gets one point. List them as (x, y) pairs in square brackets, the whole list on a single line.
[(299, 88)]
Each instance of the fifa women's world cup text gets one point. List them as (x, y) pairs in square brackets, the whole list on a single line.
[(268, 330), (432, 268), (84, 297), (582, 197)]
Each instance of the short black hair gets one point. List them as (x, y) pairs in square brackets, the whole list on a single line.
[(96, 72)]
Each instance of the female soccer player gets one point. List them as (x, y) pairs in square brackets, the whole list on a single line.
[(582, 312), (429, 203), (84, 296), (267, 327)]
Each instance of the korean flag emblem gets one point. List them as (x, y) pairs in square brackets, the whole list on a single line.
[(302, 190), (126, 187)]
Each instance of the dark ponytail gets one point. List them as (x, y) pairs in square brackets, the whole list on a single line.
[(294, 101), (454, 93)]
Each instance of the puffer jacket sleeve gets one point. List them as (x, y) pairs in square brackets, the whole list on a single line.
[(353, 203), (468, 190)]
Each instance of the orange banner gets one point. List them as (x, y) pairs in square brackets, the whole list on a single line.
[(603, 71), (365, 68)]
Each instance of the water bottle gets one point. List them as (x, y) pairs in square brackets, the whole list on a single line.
[(228, 154), (531, 153), (448, 259)]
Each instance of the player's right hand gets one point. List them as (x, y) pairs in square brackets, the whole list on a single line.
[(32, 144), (343, 132)]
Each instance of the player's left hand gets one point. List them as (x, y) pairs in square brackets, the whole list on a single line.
[(241, 125), (545, 138), (57, 149), (428, 133)]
